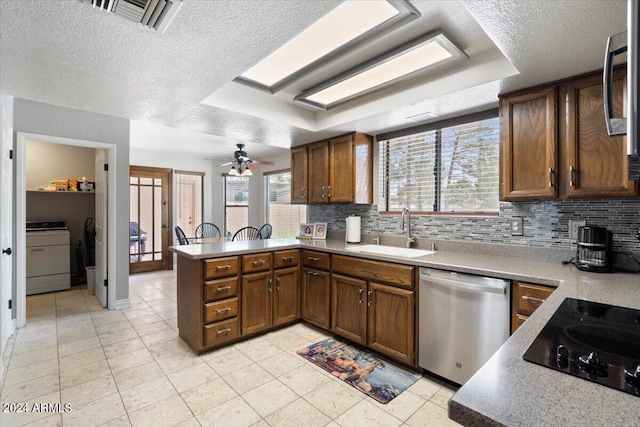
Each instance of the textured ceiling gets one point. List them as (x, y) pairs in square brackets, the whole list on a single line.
[(65, 53)]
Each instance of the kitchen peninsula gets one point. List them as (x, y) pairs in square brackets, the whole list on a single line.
[(506, 391)]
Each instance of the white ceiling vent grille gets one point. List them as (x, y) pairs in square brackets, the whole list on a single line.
[(156, 14)]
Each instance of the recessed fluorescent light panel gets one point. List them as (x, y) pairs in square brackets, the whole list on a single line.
[(349, 26), (423, 54)]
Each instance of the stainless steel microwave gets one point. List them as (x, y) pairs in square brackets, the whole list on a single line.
[(628, 42)]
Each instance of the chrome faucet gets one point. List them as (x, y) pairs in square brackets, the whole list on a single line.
[(410, 239)]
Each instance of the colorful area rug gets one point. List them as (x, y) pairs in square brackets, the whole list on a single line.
[(365, 371)]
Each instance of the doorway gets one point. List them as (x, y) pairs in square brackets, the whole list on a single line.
[(109, 205), (150, 209)]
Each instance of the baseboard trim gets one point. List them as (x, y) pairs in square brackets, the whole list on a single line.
[(122, 303)]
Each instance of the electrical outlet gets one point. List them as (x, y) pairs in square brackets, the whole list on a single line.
[(516, 226), (573, 228)]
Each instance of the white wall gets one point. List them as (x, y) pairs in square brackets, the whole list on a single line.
[(256, 189), (181, 162), (46, 162), (45, 119)]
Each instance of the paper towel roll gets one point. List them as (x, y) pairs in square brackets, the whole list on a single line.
[(352, 234)]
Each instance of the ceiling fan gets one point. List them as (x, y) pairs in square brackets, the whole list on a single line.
[(241, 165)]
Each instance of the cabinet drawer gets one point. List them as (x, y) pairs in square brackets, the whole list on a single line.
[(315, 259), (217, 333), (530, 297), (220, 310), (385, 272), (256, 262), (220, 289), (220, 267), (285, 258)]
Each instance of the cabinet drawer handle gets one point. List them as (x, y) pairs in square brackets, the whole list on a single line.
[(37, 250), (259, 262), (287, 258), (312, 258), (222, 310), (550, 177), (223, 288), (534, 299), (312, 273), (223, 267), (223, 331)]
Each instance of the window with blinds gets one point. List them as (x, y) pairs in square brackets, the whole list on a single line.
[(444, 169), (285, 218), (190, 201), (236, 213)]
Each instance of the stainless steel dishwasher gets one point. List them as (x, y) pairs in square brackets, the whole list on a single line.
[(464, 319)]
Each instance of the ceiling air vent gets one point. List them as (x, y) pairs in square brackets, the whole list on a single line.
[(156, 14)]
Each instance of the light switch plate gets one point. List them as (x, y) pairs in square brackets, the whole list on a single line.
[(516, 226)]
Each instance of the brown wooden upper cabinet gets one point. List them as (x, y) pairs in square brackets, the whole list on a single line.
[(299, 175), (594, 164), (338, 170), (554, 143), (528, 145)]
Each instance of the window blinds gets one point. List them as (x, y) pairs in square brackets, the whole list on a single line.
[(284, 217), (189, 195), (452, 169)]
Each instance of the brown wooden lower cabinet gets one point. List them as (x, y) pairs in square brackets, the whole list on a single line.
[(377, 315), (315, 302), (223, 299), (285, 295), (349, 307), (391, 321), (257, 297), (525, 299)]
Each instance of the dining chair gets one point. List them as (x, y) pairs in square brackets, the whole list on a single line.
[(207, 229), (265, 231), (182, 238), (247, 233)]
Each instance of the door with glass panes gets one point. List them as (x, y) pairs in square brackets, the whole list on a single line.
[(149, 219)]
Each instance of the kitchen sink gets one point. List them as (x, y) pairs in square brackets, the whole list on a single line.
[(390, 250)]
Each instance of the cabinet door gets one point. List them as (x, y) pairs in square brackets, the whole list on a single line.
[(349, 308), (341, 170), (596, 163), (528, 145), (299, 177), (391, 320), (256, 302), (319, 172), (285, 297), (315, 297)]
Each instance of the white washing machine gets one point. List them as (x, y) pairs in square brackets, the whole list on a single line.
[(48, 261)]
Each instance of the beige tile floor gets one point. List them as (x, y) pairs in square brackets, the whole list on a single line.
[(129, 368)]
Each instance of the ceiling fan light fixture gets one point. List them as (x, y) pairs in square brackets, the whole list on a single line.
[(423, 54), (345, 28), (240, 169)]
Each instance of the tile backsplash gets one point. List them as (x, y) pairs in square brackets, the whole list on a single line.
[(545, 223)]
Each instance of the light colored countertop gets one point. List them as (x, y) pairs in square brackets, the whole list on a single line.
[(507, 390)]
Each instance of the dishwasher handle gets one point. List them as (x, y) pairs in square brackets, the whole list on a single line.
[(498, 287)]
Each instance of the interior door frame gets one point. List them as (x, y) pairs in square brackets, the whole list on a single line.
[(20, 216), (167, 257)]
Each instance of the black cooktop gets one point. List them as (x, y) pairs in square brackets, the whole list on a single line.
[(593, 341)]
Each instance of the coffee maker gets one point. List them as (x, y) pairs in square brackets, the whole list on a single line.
[(594, 249)]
